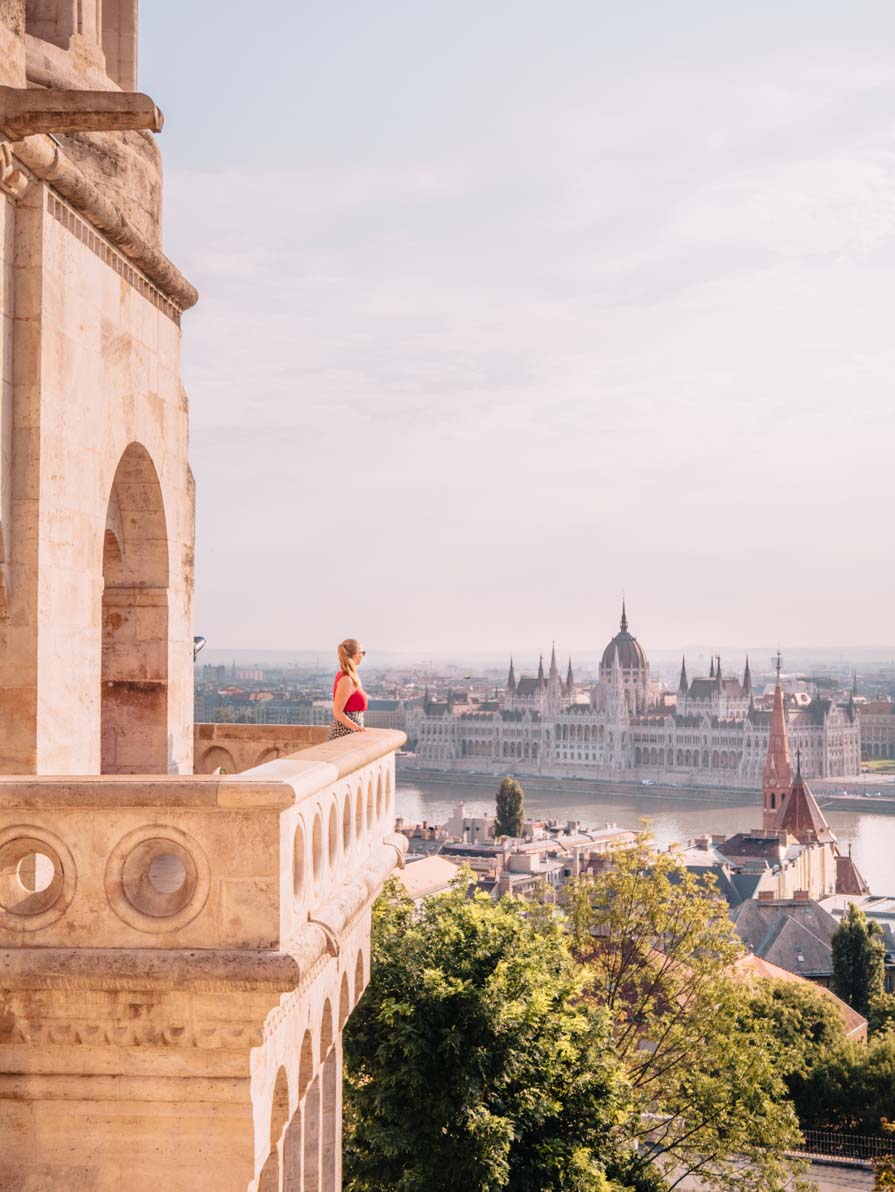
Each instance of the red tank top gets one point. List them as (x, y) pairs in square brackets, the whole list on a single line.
[(356, 702)]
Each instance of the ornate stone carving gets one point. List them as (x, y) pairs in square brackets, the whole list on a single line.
[(216, 1036), (13, 181)]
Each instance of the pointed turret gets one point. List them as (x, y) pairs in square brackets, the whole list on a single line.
[(718, 667), (778, 777), (554, 669), (747, 679), (712, 668), (570, 681), (541, 671), (624, 620), (511, 678), (854, 682), (683, 686)]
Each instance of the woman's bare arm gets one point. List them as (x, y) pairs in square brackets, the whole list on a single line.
[(344, 688)]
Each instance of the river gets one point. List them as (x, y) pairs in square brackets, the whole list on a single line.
[(674, 814)]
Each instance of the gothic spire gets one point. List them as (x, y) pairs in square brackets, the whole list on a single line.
[(541, 670), (570, 680), (511, 678), (718, 659), (747, 679), (624, 620), (712, 668), (554, 670), (683, 687), (777, 779)]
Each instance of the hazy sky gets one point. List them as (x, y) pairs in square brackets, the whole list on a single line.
[(508, 307)]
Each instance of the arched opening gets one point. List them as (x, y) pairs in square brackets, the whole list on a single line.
[(134, 677), (344, 1001), (358, 977), (214, 759), (269, 1180)]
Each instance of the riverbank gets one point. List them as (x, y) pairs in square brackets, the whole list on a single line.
[(580, 786), (833, 793)]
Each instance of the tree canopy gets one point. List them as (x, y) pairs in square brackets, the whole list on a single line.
[(510, 808), (508, 1045), (709, 1096), (859, 957), (472, 1061)]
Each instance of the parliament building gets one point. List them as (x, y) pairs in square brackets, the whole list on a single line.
[(713, 731)]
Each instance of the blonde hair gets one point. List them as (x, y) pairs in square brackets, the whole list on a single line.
[(347, 650)]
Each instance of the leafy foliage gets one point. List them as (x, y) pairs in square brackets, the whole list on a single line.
[(851, 1087), (510, 808), (858, 960), (472, 1061), (802, 1025), (657, 945), (881, 1014)]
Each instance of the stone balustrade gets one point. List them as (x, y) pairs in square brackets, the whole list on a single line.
[(178, 957)]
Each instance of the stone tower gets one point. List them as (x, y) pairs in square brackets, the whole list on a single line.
[(777, 779), (96, 496)]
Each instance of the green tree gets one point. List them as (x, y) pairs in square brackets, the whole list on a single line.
[(708, 1094), (803, 1025), (884, 1168), (510, 808), (852, 1087), (881, 1015), (472, 1061), (859, 956)]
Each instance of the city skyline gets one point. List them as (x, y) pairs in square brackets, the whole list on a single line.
[(571, 306)]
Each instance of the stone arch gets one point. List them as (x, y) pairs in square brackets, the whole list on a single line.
[(344, 1001), (216, 758), (267, 755), (305, 1064), (359, 976), (134, 671), (326, 1030), (279, 1108), (269, 1180)]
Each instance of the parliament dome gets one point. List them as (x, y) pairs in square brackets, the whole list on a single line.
[(631, 655)]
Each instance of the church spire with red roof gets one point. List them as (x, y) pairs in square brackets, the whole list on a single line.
[(777, 779), (800, 815)]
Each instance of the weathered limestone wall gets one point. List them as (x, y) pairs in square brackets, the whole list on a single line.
[(12, 49), (97, 368), (178, 957)]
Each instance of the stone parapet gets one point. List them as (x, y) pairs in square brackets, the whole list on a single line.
[(232, 748), (177, 959)]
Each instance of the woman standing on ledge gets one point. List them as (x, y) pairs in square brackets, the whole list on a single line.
[(349, 698)]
